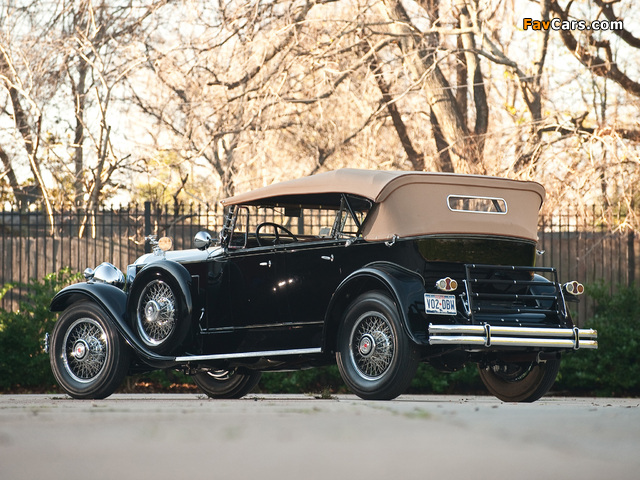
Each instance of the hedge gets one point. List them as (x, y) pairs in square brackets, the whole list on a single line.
[(24, 365), (612, 370)]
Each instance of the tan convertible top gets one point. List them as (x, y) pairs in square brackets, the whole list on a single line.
[(364, 183), (416, 203), (375, 185)]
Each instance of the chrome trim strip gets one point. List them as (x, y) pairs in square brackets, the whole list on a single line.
[(231, 329), (268, 353)]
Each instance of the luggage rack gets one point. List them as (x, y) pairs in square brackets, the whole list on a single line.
[(490, 290)]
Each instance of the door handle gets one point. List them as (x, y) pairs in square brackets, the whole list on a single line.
[(266, 264), (327, 257)]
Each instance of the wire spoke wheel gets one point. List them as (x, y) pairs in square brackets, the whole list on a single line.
[(227, 383), (372, 345), (520, 382), (85, 350), (156, 313), (88, 357), (159, 307), (376, 358)]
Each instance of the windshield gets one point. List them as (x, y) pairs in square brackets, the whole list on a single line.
[(305, 223)]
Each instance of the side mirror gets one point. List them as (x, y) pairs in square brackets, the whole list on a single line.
[(202, 240)]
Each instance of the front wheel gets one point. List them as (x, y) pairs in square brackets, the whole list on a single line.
[(520, 382), (227, 383), (88, 357), (376, 358)]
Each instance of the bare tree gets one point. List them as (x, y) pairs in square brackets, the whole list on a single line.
[(604, 125), (206, 98), (423, 64), (28, 127), (227, 114), (65, 60)]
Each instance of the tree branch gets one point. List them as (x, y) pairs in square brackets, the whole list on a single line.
[(416, 159), (602, 68), (626, 35)]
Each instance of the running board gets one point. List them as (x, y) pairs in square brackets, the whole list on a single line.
[(229, 356), (490, 336)]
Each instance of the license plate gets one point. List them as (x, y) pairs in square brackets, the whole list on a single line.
[(440, 304)]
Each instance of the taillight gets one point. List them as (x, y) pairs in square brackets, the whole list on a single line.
[(447, 284), (573, 288)]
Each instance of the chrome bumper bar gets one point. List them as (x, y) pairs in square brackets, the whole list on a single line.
[(494, 336)]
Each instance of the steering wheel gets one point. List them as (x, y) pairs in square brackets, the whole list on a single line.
[(276, 228)]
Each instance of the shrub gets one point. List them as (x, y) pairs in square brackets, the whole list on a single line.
[(428, 380), (23, 362), (613, 369), (327, 380), (322, 381)]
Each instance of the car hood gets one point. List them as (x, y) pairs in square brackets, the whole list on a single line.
[(181, 256)]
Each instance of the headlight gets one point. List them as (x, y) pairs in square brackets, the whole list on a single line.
[(105, 273)]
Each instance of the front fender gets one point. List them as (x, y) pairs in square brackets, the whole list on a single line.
[(111, 298), (406, 288), (114, 303)]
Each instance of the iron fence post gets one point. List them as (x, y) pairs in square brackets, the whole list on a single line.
[(147, 226)]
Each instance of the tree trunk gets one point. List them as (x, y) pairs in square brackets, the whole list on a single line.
[(475, 81), (531, 88), (416, 159), (422, 64), (18, 193), (78, 139)]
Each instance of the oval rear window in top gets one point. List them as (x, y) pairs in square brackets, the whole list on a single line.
[(470, 203)]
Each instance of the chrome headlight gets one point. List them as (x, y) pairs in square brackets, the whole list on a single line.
[(105, 273)]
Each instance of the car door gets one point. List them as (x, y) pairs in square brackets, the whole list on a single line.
[(245, 308), (255, 297), (316, 265), (314, 270), (249, 311)]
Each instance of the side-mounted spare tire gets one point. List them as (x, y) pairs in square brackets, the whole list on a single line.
[(159, 309)]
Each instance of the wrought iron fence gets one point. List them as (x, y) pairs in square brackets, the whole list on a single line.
[(581, 248), (589, 249), (30, 247)]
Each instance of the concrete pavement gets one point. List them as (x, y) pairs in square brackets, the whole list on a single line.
[(302, 437)]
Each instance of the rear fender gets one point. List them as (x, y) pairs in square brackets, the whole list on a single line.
[(404, 287)]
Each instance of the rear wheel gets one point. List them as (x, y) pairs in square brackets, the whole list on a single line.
[(520, 382), (227, 383), (376, 358), (88, 357)]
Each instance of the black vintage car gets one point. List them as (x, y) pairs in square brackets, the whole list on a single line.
[(374, 270)]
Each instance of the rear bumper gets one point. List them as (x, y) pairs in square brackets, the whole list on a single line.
[(487, 336)]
